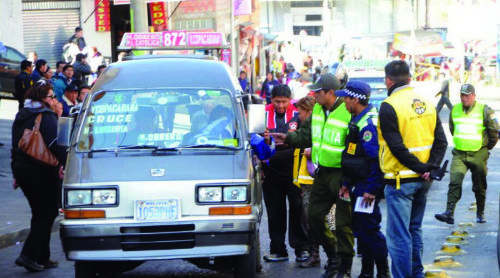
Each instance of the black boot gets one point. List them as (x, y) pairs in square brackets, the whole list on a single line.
[(345, 268), (312, 261), (367, 265), (332, 268), (480, 210), (383, 269), (447, 216)]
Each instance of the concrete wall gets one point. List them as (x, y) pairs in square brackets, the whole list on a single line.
[(11, 24), (102, 40)]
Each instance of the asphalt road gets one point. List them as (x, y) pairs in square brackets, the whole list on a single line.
[(477, 259)]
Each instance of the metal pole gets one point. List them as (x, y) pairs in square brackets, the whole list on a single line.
[(267, 14), (139, 16), (234, 48)]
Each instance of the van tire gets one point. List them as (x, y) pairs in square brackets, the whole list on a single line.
[(106, 269), (247, 265)]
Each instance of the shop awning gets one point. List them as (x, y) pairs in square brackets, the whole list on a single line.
[(425, 43)]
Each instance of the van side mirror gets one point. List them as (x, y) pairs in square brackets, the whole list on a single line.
[(256, 118), (64, 128)]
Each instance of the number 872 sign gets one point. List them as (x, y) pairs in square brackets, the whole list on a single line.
[(174, 38)]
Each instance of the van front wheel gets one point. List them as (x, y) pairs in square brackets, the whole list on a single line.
[(247, 265), (88, 269)]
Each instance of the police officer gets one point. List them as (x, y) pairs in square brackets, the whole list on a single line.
[(364, 178), (326, 131), (475, 131)]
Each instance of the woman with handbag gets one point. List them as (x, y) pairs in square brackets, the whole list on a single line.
[(37, 163)]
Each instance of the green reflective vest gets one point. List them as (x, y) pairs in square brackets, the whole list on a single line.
[(328, 135), (468, 128)]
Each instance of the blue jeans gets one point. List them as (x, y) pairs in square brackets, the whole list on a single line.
[(405, 212)]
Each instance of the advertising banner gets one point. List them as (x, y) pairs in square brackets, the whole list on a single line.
[(102, 19)]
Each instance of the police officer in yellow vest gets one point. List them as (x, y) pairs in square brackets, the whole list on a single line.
[(475, 131), (326, 131), (412, 143)]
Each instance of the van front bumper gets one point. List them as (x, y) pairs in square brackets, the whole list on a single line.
[(101, 240)]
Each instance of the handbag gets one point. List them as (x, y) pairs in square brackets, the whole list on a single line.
[(33, 145)]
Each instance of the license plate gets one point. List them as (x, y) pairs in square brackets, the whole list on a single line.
[(152, 210)]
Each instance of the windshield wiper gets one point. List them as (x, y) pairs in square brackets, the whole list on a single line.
[(210, 146), (136, 147)]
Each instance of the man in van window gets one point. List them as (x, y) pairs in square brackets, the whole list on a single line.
[(278, 184)]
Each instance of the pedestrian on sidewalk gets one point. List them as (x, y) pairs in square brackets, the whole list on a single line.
[(475, 132), (364, 179), (38, 182), (445, 96), (325, 131), (22, 82), (412, 143)]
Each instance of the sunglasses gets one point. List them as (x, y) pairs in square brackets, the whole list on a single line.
[(52, 96)]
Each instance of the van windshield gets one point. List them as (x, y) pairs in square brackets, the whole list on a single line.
[(163, 118)]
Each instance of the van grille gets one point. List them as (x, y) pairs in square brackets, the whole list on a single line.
[(157, 237)]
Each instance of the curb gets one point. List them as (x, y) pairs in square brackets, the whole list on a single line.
[(15, 237)]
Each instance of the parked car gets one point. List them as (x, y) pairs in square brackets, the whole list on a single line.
[(376, 80), (153, 174), (10, 66)]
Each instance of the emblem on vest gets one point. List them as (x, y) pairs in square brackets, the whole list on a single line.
[(292, 126), (418, 106)]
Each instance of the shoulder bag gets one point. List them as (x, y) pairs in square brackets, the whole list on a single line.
[(33, 145)]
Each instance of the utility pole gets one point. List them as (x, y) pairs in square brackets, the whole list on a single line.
[(139, 16)]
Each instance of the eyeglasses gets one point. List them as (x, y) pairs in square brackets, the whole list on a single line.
[(52, 96)]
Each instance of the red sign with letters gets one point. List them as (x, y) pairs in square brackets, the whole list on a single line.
[(159, 16), (102, 19)]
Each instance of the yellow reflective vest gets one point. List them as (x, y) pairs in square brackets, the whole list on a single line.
[(468, 128), (328, 135), (416, 122), (300, 172)]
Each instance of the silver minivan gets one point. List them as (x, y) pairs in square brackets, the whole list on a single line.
[(160, 167)]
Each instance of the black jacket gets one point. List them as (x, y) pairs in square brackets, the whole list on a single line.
[(22, 84), (25, 119)]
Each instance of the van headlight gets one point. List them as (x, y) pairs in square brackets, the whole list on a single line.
[(209, 194), (89, 197), (235, 193), (222, 194)]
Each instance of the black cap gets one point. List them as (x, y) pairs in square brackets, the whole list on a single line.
[(71, 87), (325, 82), (467, 89)]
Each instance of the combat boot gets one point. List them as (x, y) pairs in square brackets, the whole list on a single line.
[(383, 269), (312, 261), (345, 268), (447, 216), (480, 210), (332, 267), (367, 265)]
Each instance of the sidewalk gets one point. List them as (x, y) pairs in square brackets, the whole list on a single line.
[(15, 216)]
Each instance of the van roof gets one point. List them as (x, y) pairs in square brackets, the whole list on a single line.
[(172, 71)]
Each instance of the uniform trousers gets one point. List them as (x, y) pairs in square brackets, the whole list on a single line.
[(476, 162), (325, 193)]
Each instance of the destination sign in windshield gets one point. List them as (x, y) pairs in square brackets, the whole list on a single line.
[(173, 39)]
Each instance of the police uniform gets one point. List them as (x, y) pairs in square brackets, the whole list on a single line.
[(362, 173), (327, 137), (475, 132)]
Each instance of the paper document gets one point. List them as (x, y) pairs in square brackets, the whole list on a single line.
[(363, 207)]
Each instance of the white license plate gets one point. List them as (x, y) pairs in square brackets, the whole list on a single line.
[(152, 210)]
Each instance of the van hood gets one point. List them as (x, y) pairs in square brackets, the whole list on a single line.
[(130, 167)]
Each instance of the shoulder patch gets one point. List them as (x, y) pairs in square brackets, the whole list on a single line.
[(367, 136), (292, 126)]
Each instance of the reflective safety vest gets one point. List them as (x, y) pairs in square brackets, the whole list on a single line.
[(468, 128), (300, 172), (328, 135), (416, 122)]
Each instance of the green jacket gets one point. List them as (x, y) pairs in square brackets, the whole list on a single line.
[(490, 133), (301, 138)]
